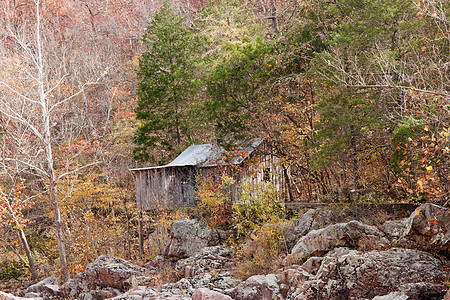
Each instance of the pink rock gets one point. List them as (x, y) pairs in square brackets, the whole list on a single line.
[(207, 294)]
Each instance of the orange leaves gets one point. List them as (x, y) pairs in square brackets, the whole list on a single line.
[(12, 206)]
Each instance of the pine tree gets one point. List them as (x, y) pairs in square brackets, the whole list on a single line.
[(166, 87)]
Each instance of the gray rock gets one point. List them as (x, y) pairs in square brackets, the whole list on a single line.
[(111, 272), (428, 227), (207, 294), (146, 293), (188, 237), (351, 234), (32, 295), (423, 290), (108, 275), (40, 286), (297, 228), (258, 287), (416, 291), (6, 296), (392, 296), (209, 259), (431, 223), (351, 274), (394, 228)]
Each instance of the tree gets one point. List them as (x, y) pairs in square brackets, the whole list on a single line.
[(11, 213), (35, 98), (233, 88), (166, 87), (395, 53)]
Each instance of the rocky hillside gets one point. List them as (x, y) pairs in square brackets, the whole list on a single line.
[(402, 259)]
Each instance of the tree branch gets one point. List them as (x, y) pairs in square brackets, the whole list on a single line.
[(8, 159), (76, 170)]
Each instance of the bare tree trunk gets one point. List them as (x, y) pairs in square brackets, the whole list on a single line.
[(64, 270), (274, 17), (31, 262), (128, 226), (47, 140), (141, 236)]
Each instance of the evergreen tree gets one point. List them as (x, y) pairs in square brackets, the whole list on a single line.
[(166, 88)]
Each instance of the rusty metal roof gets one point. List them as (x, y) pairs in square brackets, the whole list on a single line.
[(210, 155)]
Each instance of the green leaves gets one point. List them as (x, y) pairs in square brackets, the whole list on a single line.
[(166, 88)]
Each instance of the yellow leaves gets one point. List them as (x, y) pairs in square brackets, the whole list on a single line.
[(429, 168)]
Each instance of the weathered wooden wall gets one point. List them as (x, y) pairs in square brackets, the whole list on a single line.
[(161, 188), (167, 187)]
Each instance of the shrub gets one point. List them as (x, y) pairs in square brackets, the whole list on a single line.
[(258, 205), (213, 201), (264, 250), (159, 238), (11, 269)]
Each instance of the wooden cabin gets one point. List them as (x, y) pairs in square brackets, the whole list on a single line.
[(175, 184)]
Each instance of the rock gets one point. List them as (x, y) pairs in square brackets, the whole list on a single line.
[(394, 228), (351, 274), (207, 294), (209, 259), (325, 217), (428, 227), (423, 290), (297, 228), (156, 262), (188, 237), (416, 291), (106, 274), (32, 295), (6, 296), (111, 272), (392, 296), (431, 223), (145, 293), (257, 287), (351, 234), (42, 285)]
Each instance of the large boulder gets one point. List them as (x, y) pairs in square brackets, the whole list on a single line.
[(111, 272), (352, 274), (257, 287), (48, 285), (297, 228), (432, 221), (188, 237), (313, 219), (428, 227), (105, 277), (352, 234)]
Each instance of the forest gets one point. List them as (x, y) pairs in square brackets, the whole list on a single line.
[(352, 95)]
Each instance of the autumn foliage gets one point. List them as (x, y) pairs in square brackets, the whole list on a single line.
[(350, 95)]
